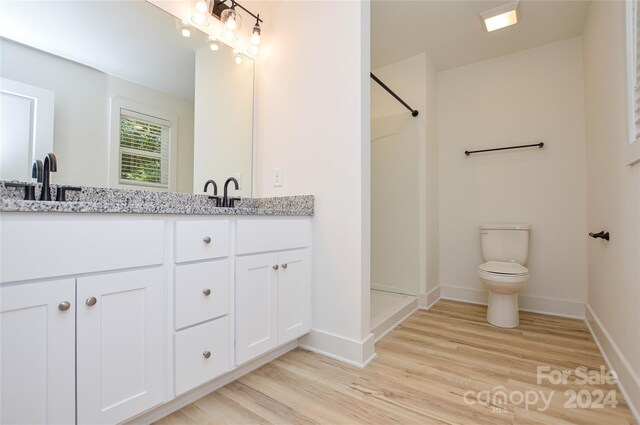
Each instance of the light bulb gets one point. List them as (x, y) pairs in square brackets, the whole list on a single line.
[(229, 35), (254, 50), (202, 6), (185, 29), (231, 19), (199, 18), (237, 57), (255, 37), (214, 44), (231, 23)]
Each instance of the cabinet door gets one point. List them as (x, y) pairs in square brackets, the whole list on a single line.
[(293, 295), (256, 305), (37, 353), (121, 370)]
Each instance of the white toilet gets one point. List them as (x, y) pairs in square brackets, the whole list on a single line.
[(505, 248)]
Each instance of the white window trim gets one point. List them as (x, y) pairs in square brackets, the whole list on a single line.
[(117, 104), (43, 113), (631, 150)]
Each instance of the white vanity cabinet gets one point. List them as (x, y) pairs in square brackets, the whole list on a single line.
[(202, 301), (120, 344), (88, 347), (272, 305), (37, 358), (111, 318)]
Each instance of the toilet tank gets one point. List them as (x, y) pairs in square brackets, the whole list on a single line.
[(505, 242)]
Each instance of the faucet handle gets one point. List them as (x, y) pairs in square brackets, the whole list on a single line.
[(29, 190), (61, 192), (232, 202)]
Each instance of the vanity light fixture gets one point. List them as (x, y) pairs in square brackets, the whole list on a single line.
[(232, 22), (229, 13), (501, 16), (255, 37)]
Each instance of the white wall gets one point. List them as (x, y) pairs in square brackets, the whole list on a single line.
[(516, 99), (613, 197), (398, 161), (312, 120), (82, 114), (223, 122), (414, 79), (395, 204), (431, 203)]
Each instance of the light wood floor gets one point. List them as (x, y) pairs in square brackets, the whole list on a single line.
[(423, 370)]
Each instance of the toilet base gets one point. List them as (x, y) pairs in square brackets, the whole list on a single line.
[(503, 310)]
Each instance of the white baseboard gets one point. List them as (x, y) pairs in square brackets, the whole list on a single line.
[(628, 380), (563, 308), (426, 301), (389, 288), (355, 353), (388, 324), (185, 399)]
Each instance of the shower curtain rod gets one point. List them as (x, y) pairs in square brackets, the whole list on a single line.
[(414, 112)]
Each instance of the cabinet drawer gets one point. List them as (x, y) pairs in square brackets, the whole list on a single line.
[(36, 246), (201, 240), (192, 283), (262, 235), (191, 345)]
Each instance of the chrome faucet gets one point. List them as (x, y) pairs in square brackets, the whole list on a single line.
[(226, 202), (215, 191), (50, 166)]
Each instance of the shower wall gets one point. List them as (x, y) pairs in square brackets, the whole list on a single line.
[(395, 204)]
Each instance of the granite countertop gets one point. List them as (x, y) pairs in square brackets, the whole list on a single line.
[(125, 201)]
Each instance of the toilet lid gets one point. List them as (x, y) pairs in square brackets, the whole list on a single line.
[(503, 267)]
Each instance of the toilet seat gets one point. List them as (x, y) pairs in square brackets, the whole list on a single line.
[(503, 268)]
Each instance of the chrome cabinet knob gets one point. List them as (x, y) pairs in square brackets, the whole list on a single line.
[(206, 354), (285, 265), (64, 306), (207, 239), (91, 301), (207, 292), (275, 267)]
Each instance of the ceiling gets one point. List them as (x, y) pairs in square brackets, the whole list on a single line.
[(452, 33)]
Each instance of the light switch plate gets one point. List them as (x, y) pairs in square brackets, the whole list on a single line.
[(277, 177)]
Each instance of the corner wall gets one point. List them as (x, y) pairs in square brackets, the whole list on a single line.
[(521, 98), (613, 198), (312, 105), (414, 79)]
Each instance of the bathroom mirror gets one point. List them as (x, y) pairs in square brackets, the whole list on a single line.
[(121, 98)]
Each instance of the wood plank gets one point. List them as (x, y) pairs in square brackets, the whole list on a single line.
[(424, 369)]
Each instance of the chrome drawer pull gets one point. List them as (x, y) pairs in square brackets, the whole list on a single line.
[(206, 354), (285, 265), (91, 301), (207, 292), (64, 306), (275, 267), (207, 239)]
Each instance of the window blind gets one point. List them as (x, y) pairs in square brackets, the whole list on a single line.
[(145, 149)]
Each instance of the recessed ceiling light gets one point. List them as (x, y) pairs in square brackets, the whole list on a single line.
[(501, 16)]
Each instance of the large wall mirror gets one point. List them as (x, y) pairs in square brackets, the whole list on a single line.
[(121, 98)]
